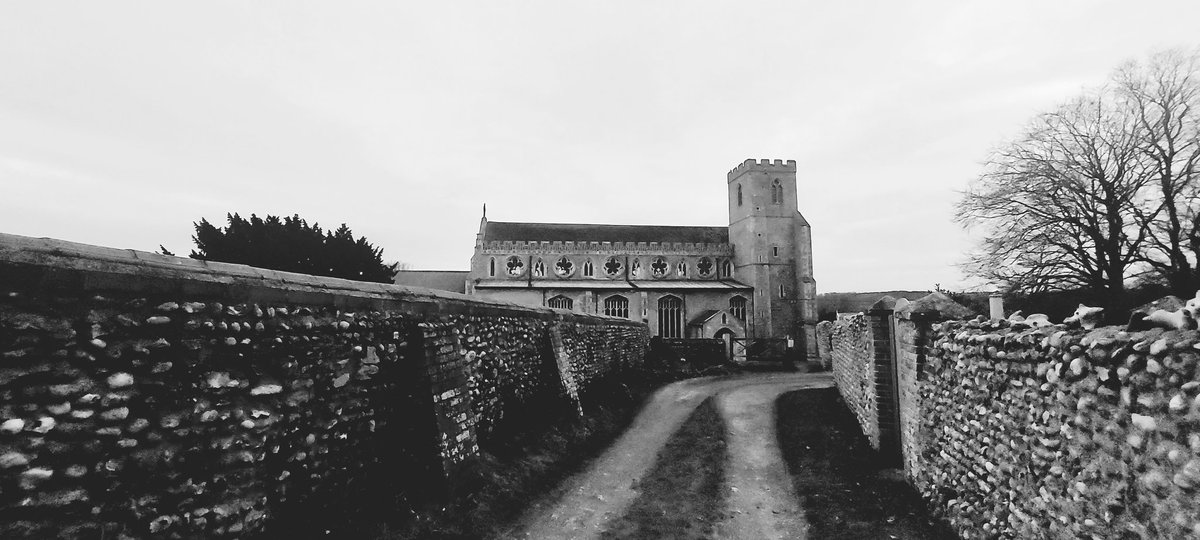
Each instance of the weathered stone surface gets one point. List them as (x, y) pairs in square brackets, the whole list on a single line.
[(1018, 432), (211, 417)]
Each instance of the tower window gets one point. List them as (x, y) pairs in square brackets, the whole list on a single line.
[(781, 291), (776, 192), (670, 317), (560, 302), (588, 271), (492, 267), (774, 251), (616, 306), (739, 194), (737, 307)]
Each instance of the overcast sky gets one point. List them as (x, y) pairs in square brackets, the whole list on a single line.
[(121, 123)]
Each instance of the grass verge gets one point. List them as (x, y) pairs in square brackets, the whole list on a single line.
[(838, 475), (529, 466), (682, 495)]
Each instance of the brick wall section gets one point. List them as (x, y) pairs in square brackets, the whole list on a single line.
[(143, 395), (854, 371), (887, 411), (912, 336), (1058, 433)]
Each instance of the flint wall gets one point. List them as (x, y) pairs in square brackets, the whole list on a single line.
[(1050, 433), (151, 396)]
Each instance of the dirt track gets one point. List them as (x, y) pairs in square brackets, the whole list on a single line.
[(762, 503)]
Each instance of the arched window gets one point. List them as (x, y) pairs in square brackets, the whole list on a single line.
[(739, 195), (560, 302), (681, 269), (492, 267), (776, 192), (539, 269), (635, 268), (670, 317), (726, 269), (616, 306), (737, 307), (588, 271)]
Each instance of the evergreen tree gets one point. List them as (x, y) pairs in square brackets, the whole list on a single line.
[(292, 245)]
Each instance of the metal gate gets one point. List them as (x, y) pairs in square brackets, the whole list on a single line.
[(760, 350)]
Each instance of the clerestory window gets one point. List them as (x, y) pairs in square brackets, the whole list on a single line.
[(515, 266), (588, 271)]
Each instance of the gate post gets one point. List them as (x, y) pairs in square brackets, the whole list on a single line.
[(883, 341)]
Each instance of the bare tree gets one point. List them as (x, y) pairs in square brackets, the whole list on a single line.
[(1056, 205), (1163, 96)]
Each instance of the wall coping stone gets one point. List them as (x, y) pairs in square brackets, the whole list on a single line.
[(47, 264)]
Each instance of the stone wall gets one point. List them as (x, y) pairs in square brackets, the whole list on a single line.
[(1013, 432), (145, 395), (854, 371), (1062, 433)]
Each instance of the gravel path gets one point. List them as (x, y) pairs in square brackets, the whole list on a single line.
[(763, 505)]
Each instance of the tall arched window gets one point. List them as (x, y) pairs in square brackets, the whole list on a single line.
[(560, 302), (492, 267), (739, 190), (670, 317), (737, 307), (776, 192), (588, 271), (616, 306)]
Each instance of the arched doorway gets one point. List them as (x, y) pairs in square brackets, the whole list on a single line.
[(727, 336)]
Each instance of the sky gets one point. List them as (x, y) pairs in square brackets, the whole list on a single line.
[(122, 123)]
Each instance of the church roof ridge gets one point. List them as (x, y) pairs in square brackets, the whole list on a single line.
[(595, 232)]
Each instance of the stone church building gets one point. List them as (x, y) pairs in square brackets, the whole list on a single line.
[(752, 279)]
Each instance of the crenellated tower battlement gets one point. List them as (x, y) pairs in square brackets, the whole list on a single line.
[(767, 165)]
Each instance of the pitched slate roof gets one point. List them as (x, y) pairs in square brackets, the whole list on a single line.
[(501, 231)]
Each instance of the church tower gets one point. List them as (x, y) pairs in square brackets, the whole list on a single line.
[(772, 245)]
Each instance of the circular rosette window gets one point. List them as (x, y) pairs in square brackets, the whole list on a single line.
[(563, 267), (514, 266), (613, 267), (659, 267), (705, 266)]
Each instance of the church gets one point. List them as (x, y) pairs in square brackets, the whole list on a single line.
[(752, 279)]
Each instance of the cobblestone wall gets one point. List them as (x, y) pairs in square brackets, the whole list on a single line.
[(1057, 433), (151, 396), (852, 352)]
